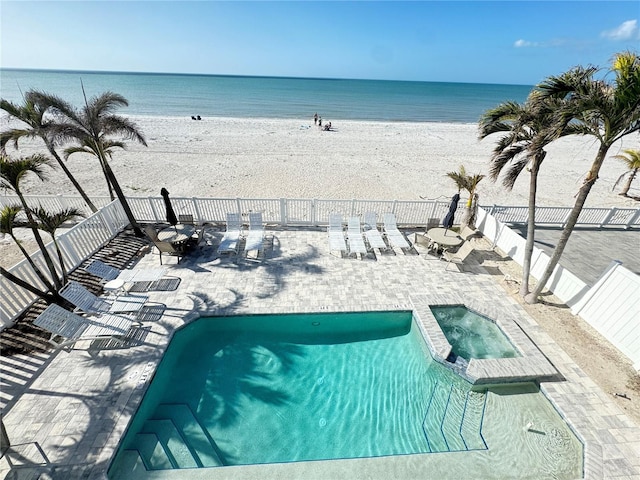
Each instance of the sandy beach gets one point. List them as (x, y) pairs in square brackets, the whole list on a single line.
[(273, 158)]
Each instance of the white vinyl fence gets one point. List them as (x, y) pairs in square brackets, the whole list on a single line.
[(76, 244), (611, 305)]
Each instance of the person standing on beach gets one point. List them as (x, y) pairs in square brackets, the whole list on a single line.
[(319, 121), (315, 118)]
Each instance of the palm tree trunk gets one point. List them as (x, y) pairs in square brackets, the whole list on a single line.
[(59, 252), (571, 222), (38, 272), (123, 201), (531, 224), (627, 186), (49, 297), (36, 234), (73, 180)]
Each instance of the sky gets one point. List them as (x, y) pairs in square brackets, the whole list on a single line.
[(512, 42)]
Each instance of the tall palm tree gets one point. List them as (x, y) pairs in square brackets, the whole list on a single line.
[(11, 174), (631, 159), (32, 113), (94, 127), (469, 183), (50, 222), (604, 110), (522, 147)]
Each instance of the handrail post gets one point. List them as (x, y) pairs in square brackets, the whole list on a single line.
[(633, 219), (608, 217), (196, 208), (283, 211)]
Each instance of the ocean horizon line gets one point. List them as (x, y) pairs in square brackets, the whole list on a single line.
[(230, 75)]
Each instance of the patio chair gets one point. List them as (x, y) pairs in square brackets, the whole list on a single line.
[(107, 272), (151, 233), (395, 238), (354, 234), (255, 237), (372, 233), (186, 219), (63, 323), (231, 238), (336, 234), (87, 302), (459, 256), (169, 248)]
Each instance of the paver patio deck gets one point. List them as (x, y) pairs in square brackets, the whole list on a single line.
[(67, 420)]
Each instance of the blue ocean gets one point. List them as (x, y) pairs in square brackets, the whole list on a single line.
[(176, 95)]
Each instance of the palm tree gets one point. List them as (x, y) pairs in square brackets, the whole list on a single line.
[(8, 221), (92, 126), (11, 174), (50, 222), (631, 159), (32, 113), (521, 148), (470, 184), (605, 110)]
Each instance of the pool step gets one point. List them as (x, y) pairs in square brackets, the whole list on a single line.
[(162, 442), (453, 419), (172, 442), (151, 451), (201, 446), (471, 428)]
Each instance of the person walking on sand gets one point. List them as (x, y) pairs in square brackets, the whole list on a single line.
[(315, 118), (319, 121)]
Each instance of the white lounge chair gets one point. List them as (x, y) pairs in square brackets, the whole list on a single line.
[(108, 273), (63, 323), (231, 238), (86, 301), (255, 236), (395, 238), (354, 234), (336, 234), (372, 233)]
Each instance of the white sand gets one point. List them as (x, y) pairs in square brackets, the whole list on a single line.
[(265, 158)]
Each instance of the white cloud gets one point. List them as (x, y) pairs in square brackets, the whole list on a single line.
[(525, 43), (625, 31)]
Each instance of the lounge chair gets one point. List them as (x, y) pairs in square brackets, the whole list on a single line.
[(87, 302), (63, 323), (255, 237), (108, 273), (459, 256), (372, 233), (231, 238), (395, 238), (354, 234), (336, 234)]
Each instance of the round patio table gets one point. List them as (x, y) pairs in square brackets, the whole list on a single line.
[(446, 237), (178, 234)]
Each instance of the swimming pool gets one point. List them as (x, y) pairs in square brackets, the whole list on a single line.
[(472, 335), (291, 388)]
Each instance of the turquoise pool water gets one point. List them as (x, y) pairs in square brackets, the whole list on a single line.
[(289, 388), (472, 335)]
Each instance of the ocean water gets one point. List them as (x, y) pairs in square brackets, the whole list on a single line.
[(155, 94)]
